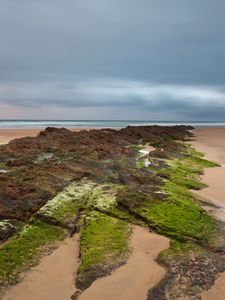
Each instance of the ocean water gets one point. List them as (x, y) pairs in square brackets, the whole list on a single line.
[(98, 123)]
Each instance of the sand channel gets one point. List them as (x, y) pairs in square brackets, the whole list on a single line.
[(53, 278), (211, 141), (141, 272)]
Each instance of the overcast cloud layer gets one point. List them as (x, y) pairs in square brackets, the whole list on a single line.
[(112, 59)]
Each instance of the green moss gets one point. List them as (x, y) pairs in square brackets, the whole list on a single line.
[(179, 215), (125, 216), (23, 250), (2, 165), (81, 195), (185, 172), (140, 162), (43, 157), (66, 204), (135, 147), (103, 196), (104, 240), (180, 250)]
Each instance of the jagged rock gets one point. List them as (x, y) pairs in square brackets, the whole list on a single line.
[(98, 154)]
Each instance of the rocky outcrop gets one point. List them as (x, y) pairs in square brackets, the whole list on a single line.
[(39, 167)]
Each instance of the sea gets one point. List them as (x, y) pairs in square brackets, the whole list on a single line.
[(101, 123)]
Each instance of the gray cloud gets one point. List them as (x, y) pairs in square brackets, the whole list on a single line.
[(73, 54), (181, 100)]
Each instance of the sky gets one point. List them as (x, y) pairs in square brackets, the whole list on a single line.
[(112, 59)]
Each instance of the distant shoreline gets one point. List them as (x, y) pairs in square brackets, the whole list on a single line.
[(8, 134), (83, 124)]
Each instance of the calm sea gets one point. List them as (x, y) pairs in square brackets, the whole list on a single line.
[(98, 124)]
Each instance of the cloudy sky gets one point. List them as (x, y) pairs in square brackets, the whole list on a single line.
[(112, 59)]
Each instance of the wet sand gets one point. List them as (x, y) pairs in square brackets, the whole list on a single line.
[(9, 134), (53, 278), (211, 141), (215, 192), (141, 272)]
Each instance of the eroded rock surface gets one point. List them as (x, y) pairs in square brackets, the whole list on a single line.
[(97, 182), (39, 167)]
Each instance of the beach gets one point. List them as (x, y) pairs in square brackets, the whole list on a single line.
[(9, 134), (44, 280), (54, 277), (145, 246), (211, 142)]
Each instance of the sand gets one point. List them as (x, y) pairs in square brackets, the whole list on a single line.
[(9, 134), (211, 141), (215, 192), (53, 278), (141, 272)]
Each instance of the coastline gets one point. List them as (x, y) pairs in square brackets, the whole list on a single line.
[(52, 278), (211, 142), (55, 274), (8, 134), (166, 254)]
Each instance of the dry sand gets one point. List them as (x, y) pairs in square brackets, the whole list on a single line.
[(141, 272), (215, 192), (53, 278), (9, 134), (211, 141)]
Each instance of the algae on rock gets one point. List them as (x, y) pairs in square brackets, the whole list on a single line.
[(103, 246)]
